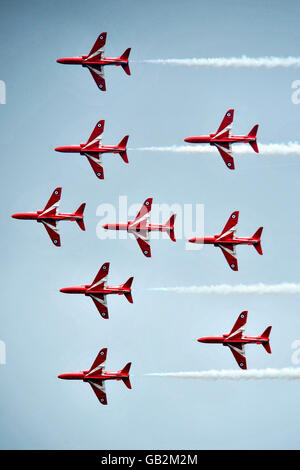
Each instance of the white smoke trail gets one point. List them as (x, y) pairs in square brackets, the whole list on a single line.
[(291, 148), (226, 62), (288, 373), (239, 289)]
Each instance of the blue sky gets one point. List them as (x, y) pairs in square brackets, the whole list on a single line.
[(47, 333)]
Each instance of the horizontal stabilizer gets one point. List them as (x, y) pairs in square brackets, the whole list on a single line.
[(267, 347), (129, 297), (124, 157), (79, 213), (125, 56), (125, 371), (127, 382), (257, 236), (253, 131), (122, 147), (126, 69), (80, 210), (128, 283), (254, 146), (252, 134), (123, 143), (170, 227), (80, 223), (258, 248), (266, 334)]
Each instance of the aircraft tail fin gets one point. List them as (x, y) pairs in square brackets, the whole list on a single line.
[(126, 370), (122, 147), (128, 286), (79, 213), (266, 334), (170, 227), (257, 236), (125, 56), (252, 134)]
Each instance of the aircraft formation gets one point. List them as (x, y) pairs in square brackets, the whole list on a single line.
[(141, 227)]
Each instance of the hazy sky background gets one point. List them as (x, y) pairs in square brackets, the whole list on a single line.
[(47, 333)]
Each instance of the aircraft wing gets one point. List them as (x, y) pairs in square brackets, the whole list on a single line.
[(96, 164), (239, 326), (95, 135), (229, 252), (101, 304), (226, 125), (98, 48), (52, 205), (52, 231), (238, 351), (98, 364), (226, 153), (143, 216), (142, 237), (99, 388), (100, 279), (97, 72), (230, 228)]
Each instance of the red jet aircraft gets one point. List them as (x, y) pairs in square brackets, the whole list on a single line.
[(95, 61), (93, 149), (97, 376), (99, 289), (236, 340), (227, 240), (223, 139), (50, 217), (140, 227)]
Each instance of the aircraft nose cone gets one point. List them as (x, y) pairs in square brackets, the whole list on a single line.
[(187, 139), (64, 290), (16, 216), (60, 376), (201, 340), (59, 61), (105, 226), (192, 240), (58, 149)]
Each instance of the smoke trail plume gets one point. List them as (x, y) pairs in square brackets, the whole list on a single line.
[(288, 373), (291, 148), (240, 289), (226, 62)]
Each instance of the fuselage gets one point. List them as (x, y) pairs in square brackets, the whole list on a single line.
[(84, 289), (225, 340), (84, 148), (82, 60), (217, 239), (127, 226), (210, 139), (37, 216), (101, 376)]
